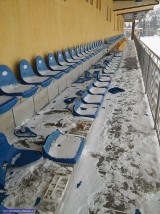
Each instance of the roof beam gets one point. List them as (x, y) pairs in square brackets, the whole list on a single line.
[(134, 9), (125, 5)]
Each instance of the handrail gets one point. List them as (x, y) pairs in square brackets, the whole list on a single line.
[(150, 66), (150, 52)]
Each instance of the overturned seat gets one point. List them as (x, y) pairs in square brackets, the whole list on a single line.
[(6, 103), (53, 65), (11, 156), (63, 148), (9, 85), (43, 70), (29, 77)]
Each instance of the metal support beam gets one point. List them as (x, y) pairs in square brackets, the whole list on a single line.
[(133, 27)]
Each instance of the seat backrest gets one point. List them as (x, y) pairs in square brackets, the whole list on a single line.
[(26, 69), (94, 44), (77, 50), (6, 76), (72, 52), (6, 151), (60, 56), (67, 54), (88, 47), (40, 64), (51, 60), (85, 48), (82, 49), (91, 45)]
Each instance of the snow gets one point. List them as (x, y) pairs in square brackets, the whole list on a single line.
[(101, 84), (88, 111), (14, 159), (35, 79), (65, 146), (48, 72), (15, 88), (120, 165), (59, 67), (105, 78), (89, 98), (96, 90), (108, 71), (153, 43), (119, 169)]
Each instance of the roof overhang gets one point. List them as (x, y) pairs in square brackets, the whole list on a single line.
[(133, 9), (136, 15), (119, 5)]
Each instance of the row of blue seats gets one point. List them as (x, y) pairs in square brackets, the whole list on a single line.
[(88, 105), (30, 80), (112, 39), (10, 87)]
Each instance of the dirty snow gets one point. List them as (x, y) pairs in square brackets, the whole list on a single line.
[(120, 166), (119, 169)]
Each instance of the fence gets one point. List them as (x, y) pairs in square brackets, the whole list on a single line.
[(150, 66)]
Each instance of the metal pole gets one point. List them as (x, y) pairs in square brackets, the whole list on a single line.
[(133, 26), (156, 114), (146, 83)]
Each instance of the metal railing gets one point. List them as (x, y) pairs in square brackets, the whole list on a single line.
[(150, 66)]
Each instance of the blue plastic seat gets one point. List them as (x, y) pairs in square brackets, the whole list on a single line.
[(85, 110), (62, 61), (70, 59), (104, 78), (74, 55), (88, 98), (29, 77), (84, 53), (79, 54), (9, 85), (61, 148), (43, 70), (6, 103), (95, 90), (93, 48), (11, 156), (88, 51), (53, 65)]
